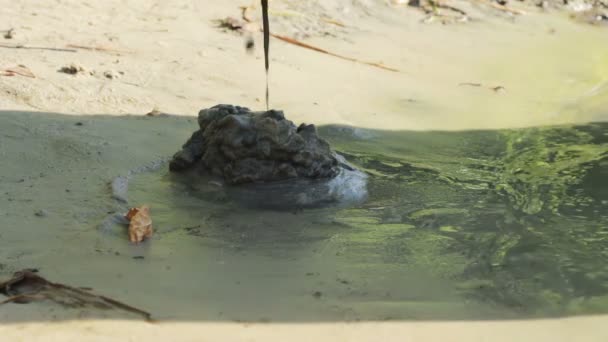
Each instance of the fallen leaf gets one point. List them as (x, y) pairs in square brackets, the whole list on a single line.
[(129, 215), (140, 225)]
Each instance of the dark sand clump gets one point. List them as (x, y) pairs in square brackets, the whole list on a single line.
[(242, 146)]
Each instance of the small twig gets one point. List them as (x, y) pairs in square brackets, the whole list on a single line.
[(314, 48), (96, 48), (470, 84), (296, 42), (18, 46), (111, 301), (192, 227), (147, 316), (20, 297), (332, 21), (244, 15)]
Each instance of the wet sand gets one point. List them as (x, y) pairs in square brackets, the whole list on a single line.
[(61, 142)]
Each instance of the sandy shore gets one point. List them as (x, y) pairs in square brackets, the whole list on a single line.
[(60, 145), (171, 57), (572, 329)]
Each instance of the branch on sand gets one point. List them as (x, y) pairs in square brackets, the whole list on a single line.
[(314, 48), (96, 48), (26, 286), (20, 46)]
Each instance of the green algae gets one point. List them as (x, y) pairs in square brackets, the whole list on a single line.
[(520, 213)]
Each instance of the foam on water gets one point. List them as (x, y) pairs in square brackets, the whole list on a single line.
[(349, 187)]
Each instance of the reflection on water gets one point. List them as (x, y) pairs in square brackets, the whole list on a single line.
[(479, 224)]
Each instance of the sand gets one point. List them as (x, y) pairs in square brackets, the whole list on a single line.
[(60, 142), (172, 58), (574, 329)]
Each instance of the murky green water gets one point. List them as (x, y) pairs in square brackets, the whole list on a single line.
[(461, 225)]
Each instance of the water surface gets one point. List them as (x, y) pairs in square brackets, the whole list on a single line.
[(458, 225)]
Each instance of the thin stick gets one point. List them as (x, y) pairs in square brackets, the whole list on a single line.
[(314, 48), (95, 48), (19, 297), (472, 84), (293, 41), (10, 46), (266, 25), (332, 21)]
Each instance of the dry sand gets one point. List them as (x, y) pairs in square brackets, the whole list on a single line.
[(169, 56), (175, 60)]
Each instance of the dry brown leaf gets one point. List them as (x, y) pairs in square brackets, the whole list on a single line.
[(25, 47), (129, 215), (140, 226)]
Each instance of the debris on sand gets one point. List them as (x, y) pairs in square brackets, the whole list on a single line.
[(496, 89), (247, 24), (98, 48), (20, 70), (9, 34), (231, 24), (26, 286), (111, 74), (71, 69), (242, 146)]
